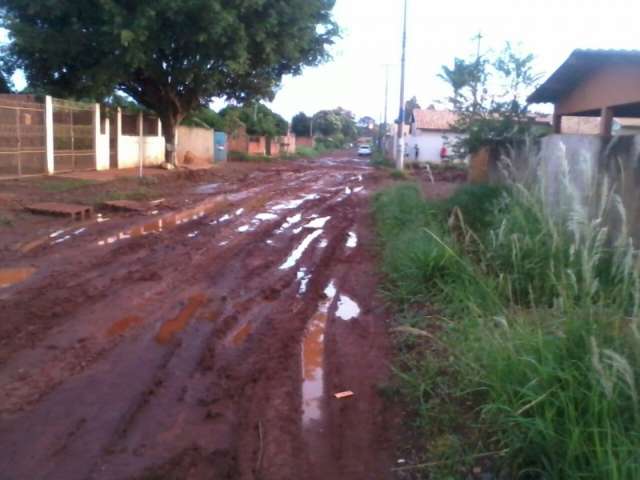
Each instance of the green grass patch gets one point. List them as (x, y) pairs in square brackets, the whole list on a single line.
[(59, 185), (536, 340)]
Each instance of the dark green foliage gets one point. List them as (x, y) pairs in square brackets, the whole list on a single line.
[(170, 56), (258, 119), (541, 332), (207, 118), (301, 125), (337, 127)]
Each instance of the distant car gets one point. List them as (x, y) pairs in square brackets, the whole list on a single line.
[(364, 150)]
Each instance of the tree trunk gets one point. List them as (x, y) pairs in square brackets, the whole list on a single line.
[(169, 131)]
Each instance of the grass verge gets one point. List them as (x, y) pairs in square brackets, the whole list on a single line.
[(518, 333)]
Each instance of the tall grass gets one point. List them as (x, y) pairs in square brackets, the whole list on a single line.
[(541, 299)]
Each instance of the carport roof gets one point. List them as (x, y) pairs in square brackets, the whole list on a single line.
[(579, 64)]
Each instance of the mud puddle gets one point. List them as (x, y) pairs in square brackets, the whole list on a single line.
[(313, 348), (14, 275)]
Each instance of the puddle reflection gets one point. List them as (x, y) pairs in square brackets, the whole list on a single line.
[(313, 359), (13, 275)]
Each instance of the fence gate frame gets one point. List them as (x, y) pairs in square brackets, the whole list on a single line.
[(24, 138), (78, 135)]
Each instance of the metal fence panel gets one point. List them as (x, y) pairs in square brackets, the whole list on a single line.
[(73, 136), (22, 136)]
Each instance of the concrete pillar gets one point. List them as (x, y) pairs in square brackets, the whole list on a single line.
[(606, 121), (48, 131), (557, 123), (118, 127), (96, 136), (140, 142)]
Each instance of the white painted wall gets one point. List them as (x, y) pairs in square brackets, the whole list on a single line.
[(429, 144), (129, 149), (153, 151)]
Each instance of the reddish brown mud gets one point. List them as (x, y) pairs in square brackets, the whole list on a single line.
[(205, 340)]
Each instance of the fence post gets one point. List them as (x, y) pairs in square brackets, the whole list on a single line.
[(48, 132), (140, 142), (118, 127), (96, 136)]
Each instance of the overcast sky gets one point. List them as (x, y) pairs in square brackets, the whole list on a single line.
[(439, 31)]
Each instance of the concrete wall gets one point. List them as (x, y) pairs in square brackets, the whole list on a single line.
[(102, 152), (429, 144), (198, 141), (305, 142), (572, 165), (288, 144), (257, 146), (130, 148)]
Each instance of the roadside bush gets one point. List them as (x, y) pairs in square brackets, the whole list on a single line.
[(540, 317)]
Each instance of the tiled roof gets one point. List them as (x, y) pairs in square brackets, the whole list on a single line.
[(428, 119)]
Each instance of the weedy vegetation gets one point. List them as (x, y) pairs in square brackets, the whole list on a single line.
[(519, 337)]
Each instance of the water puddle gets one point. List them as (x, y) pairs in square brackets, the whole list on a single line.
[(207, 189), (124, 324), (352, 240), (299, 250), (266, 217), (241, 335), (244, 228), (358, 189), (193, 234), (291, 204), (348, 309), (291, 221), (170, 328), (313, 359), (166, 222), (318, 222), (303, 276), (323, 243), (13, 275)]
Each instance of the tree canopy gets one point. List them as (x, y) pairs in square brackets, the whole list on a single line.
[(256, 117), (171, 56), (301, 125), (4, 84), (489, 96)]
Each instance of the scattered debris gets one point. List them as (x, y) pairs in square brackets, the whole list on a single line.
[(341, 395)]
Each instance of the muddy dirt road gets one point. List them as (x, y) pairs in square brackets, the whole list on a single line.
[(204, 341)]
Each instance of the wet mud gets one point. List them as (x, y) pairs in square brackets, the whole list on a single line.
[(203, 340)]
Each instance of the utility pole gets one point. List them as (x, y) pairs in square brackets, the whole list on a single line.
[(400, 152), (384, 126)]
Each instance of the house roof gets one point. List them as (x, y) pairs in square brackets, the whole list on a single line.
[(579, 64), (428, 119)]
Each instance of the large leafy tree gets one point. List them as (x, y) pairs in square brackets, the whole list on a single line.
[(4, 85), (301, 125), (258, 119), (171, 56)]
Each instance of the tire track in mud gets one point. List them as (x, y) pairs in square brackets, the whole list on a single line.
[(209, 405)]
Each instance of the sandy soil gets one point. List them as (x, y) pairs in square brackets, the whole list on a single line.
[(203, 340)]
